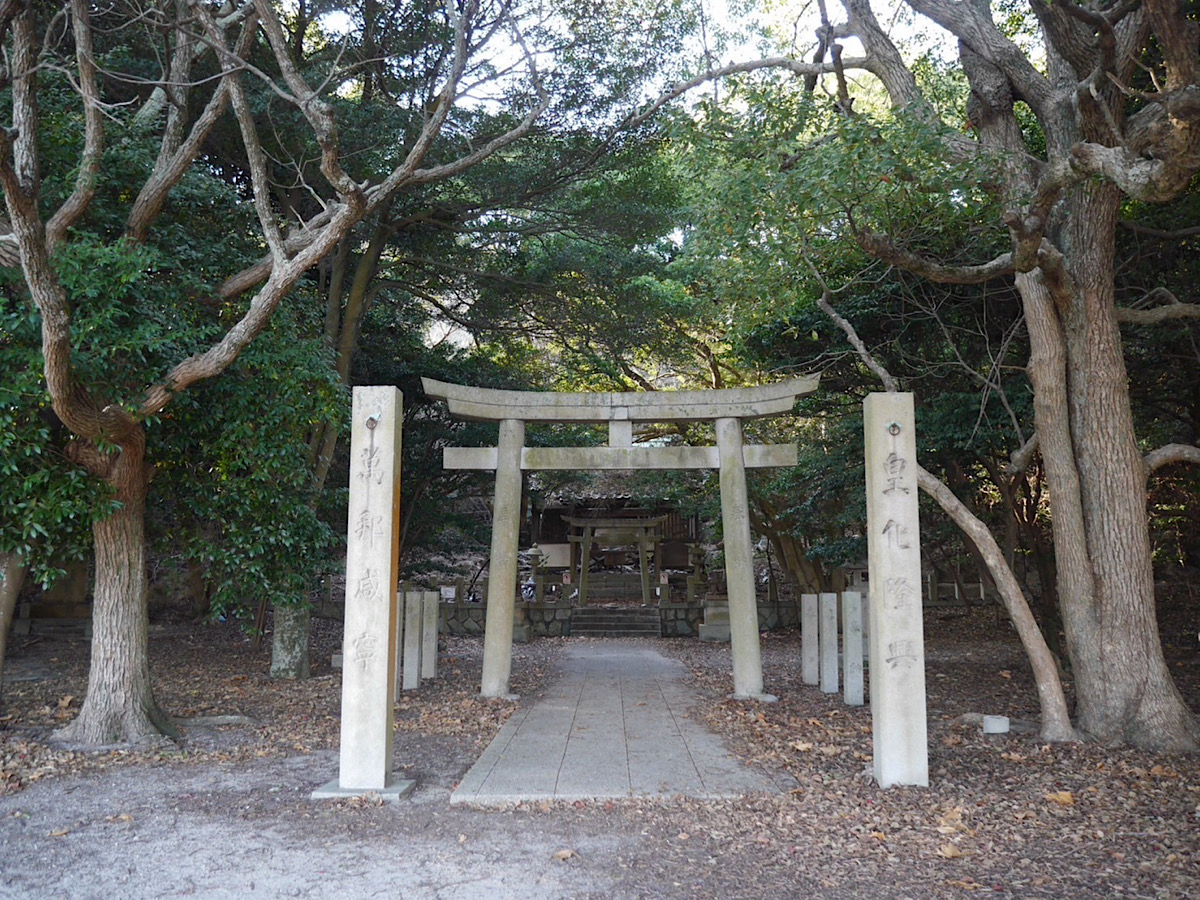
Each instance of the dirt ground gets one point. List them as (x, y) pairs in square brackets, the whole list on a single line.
[(226, 812)]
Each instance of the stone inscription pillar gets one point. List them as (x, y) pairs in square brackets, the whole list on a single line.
[(900, 736), (739, 564), (372, 554), (502, 577)]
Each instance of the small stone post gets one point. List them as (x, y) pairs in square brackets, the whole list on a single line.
[(828, 630), (429, 634), (810, 657), (414, 612), (852, 648), (398, 676), (739, 564), (372, 555), (899, 728), (502, 577)]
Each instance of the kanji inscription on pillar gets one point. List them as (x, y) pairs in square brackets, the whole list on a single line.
[(897, 645), (369, 645)]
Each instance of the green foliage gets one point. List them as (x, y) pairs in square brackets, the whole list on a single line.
[(233, 493), (48, 503), (781, 185)]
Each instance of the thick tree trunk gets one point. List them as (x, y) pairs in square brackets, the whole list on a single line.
[(289, 641), (12, 576), (1125, 691), (120, 705)]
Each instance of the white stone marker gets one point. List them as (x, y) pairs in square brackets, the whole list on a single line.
[(828, 630), (739, 565), (852, 648), (810, 657), (899, 729), (414, 612), (369, 646), (502, 576), (429, 634)]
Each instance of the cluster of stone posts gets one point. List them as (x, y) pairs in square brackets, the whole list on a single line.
[(419, 646), (823, 658)]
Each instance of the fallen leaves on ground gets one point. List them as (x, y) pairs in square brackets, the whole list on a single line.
[(988, 820)]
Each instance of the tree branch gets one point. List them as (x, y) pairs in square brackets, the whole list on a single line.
[(889, 383), (1154, 180), (1056, 721), (93, 130), (883, 248), (1170, 453), (1020, 459), (1174, 309), (175, 156), (972, 24), (1176, 235)]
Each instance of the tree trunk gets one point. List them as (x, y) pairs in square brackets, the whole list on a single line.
[(1124, 689), (120, 705), (289, 641), (12, 576)]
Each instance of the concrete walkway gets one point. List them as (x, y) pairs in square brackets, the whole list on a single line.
[(613, 723)]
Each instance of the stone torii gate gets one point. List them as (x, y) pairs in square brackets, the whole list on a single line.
[(725, 408), (898, 715)]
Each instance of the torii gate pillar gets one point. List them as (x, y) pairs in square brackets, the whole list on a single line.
[(739, 564), (502, 580)]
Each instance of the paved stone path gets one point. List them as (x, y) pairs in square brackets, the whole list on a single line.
[(613, 723)]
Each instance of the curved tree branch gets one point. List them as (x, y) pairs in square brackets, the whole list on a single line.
[(883, 248), (93, 130), (1170, 453)]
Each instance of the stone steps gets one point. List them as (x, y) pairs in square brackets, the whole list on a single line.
[(632, 622)]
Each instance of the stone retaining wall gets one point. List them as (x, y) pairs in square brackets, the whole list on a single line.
[(681, 619)]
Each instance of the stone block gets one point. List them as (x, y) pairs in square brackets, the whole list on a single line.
[(828, 640), (715, 634), (429, 634), (413, 645), (852, 649), (810, 659)]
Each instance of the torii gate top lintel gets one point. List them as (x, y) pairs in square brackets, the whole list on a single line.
[(491, 405)]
